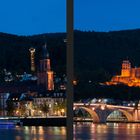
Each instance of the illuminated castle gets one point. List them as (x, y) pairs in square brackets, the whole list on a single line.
[(129, 76), (45, 74)]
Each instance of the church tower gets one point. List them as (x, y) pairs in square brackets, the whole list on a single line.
[(45, 74), (126, 69)]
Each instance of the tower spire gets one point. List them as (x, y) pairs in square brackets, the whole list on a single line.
[(45, 75), (45, 52), (32, 57)]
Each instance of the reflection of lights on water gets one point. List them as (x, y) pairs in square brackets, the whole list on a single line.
[(92, 128), (116, 124), (33, 130), (131, 129), (58, 131), (41, 130), (128, 126), (63, 130), (133, 126), (26, 128), (38, 133), (101, 128), (96, 131), (93, 125)]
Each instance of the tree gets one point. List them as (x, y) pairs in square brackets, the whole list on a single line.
[(44, 108), (22, 108), (10, 108), (60, 106)]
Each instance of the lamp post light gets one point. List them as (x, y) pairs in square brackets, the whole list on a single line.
[(62, 112)]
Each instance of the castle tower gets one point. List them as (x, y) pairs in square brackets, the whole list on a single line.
[(45, 75), (32, 57), (126, 69)]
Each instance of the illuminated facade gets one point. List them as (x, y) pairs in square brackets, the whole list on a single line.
[(129, 76), (32, 55), (45, 74)]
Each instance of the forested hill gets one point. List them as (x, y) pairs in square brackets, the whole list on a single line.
[(15, 56), (98, 55)]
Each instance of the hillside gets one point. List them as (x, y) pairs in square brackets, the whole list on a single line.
[(15, 56), (98, 55)]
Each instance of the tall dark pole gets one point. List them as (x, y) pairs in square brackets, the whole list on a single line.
[(69, 69)]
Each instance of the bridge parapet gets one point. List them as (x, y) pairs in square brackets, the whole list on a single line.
[(100, 112)]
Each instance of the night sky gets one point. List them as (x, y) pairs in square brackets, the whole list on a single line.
[(107, 15), (27, 17)]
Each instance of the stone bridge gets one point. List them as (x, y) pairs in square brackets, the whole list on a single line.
[(100, 112)]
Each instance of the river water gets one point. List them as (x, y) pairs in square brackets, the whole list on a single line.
[(82, 131), (10, 132), (108, 131)]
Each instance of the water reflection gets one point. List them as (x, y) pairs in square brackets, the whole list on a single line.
[(32, 133), (109, 131), (82, 131)]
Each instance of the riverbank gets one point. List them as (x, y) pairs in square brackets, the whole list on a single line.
[(43, 121), (49, 121), (108, 121)]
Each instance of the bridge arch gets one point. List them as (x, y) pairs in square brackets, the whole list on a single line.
[(93, 114), (126, 113)]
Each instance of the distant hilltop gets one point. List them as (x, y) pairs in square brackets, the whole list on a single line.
[(15, 55), (97, 55), (129, 76)]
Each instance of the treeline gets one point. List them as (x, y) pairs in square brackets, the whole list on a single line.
[(15, 56), (117, 92), (98, 55)]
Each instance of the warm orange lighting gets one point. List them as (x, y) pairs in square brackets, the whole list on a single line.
[(45, 74), (48, 64), (74, 82), (129, 76), (93, 108), (62, 110), (50, 80), (102, 107)]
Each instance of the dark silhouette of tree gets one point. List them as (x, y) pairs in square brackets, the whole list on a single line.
[(44, 108), (10, 108)]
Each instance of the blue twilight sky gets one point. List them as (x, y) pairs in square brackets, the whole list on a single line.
[(107, 15), (27, 17)]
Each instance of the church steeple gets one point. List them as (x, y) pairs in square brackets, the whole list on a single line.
[(46, 74), (45, 52)]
